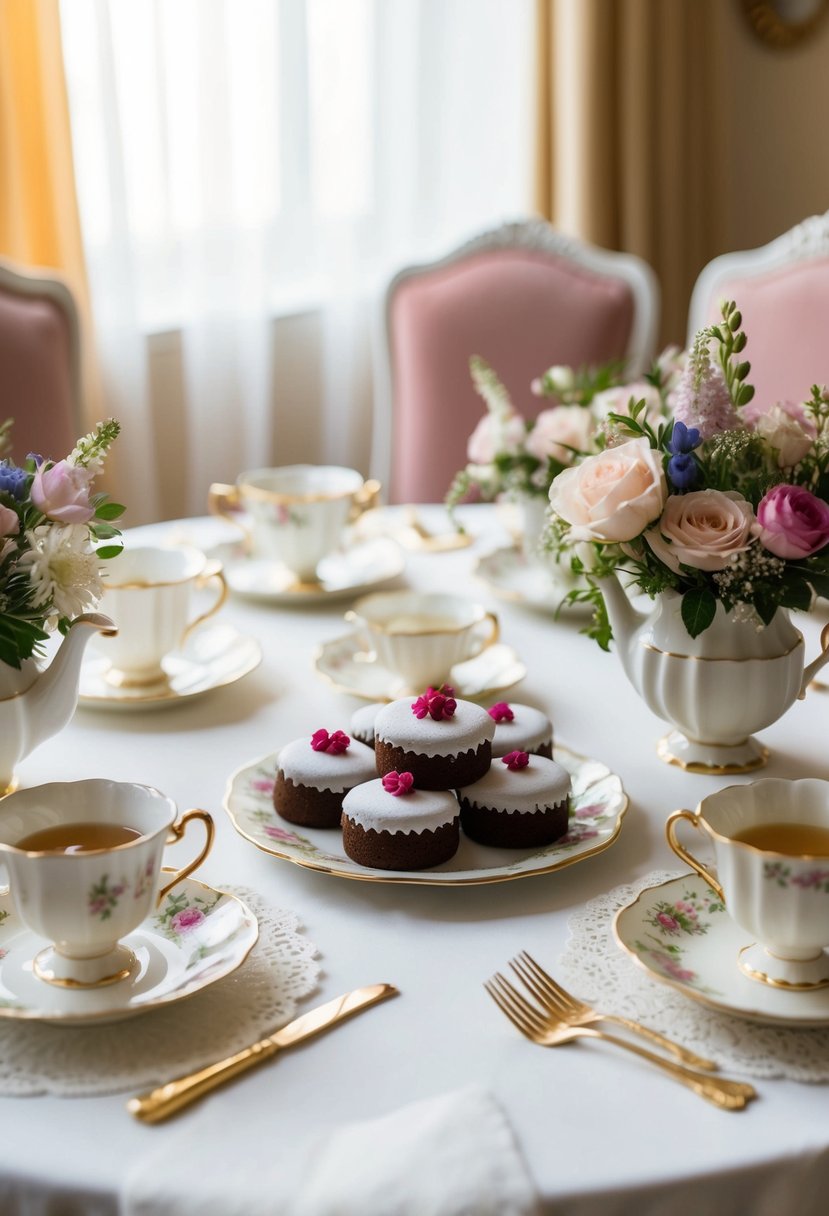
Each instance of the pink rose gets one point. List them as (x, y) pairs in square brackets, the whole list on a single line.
[(493, 435), (791, 522), (703, 529), (667, 922), (186, 919), (612, 496), (568, 424), (9, 522), (62, 493)]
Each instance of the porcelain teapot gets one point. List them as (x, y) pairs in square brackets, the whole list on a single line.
[(715, 689), (36, 703)]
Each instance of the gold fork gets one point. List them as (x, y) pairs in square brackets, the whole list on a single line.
[(559, 1002), (548, 1031)]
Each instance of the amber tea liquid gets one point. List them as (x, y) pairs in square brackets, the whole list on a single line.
[(793, 839), (77, 838)]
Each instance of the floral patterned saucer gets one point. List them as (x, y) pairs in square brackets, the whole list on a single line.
[(597, 806), (196, 937), (680, 933)]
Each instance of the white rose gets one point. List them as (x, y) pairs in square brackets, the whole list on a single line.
[(785, 434), (567, 424), (617, 401), (612, 496), (494, 435), (560, 378)]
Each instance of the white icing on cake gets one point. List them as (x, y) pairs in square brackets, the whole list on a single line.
[(362, 720), (326, 770), (372, 807), (468, 728), (527, 731), (543, 783)]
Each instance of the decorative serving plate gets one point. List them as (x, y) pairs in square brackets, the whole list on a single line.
[(362, 567), (597, 806), (212, 656), (196, 937), (680, 934), (350, 668), (514, 576)]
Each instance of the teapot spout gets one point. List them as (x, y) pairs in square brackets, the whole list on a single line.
[(625, 621), (52, 698)]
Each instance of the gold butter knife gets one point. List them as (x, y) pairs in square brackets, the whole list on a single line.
[(160, 1103)]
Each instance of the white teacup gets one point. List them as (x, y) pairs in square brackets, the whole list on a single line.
[(420, 636), (85, 902), (771, 843), (148, 595), (298, 513)]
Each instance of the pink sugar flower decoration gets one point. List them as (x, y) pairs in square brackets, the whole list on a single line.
[(501, 712), (398, 783), (515, 760), (434, 705), (335, 743)]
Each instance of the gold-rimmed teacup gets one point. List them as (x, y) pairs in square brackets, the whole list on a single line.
[(84, 866), (771, 845), (296, 514), (148, 593)]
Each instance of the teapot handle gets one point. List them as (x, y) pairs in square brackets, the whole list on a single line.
[(813, 668)]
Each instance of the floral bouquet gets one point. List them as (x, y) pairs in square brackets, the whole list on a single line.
[(724, 502), (49, 519), (510, 456)]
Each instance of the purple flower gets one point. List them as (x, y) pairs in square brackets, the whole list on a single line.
[(186, 919), (683, 471), (683, 439), (12, 480)]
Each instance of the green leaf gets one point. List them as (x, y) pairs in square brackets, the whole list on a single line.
[(797, 594), (698, 609), (820, 582), (103, 531), (109, 510), (109, 551), (745, 394)]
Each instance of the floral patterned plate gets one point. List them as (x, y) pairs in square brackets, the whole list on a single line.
[(680, 933), (196, 937), (598, 804)]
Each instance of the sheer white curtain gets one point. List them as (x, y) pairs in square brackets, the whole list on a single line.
[(244, 163)]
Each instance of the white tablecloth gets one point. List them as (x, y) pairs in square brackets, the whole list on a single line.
[(601, 1133)]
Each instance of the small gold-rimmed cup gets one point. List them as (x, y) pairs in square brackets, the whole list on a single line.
[(420, 636), (771, 845), (297, 513), (84, 903), (148, 593)]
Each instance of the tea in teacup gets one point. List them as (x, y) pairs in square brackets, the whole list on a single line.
[(77, 838), (771, 844)]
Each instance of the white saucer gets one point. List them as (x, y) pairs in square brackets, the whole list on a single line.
[(212, 656), (597, 804), (360, 568), (695, 949), (512, 575), (175, 957), (356, 671)]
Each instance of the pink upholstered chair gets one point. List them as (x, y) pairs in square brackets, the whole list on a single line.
[(39, 361), (782, 290), (523, 297)]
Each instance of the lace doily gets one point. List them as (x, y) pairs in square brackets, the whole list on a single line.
[(163, 1043), (594, 967)]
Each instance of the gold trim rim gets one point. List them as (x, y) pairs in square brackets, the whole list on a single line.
[(761, 977), (751, 1015), (712, 770), (105, 981), (170, 697), (143, 584), (284, 498), (700, 658), (744, 844), (400, 878)]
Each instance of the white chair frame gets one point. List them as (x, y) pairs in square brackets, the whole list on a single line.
[(42, 283), (534, 234), (808, 239)]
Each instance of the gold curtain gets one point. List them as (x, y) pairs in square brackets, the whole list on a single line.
[(39, 220), (627, 151)]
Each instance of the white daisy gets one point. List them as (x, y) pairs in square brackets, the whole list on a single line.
[(63, 568)]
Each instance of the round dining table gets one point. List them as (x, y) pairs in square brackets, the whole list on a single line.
[(600, 1132)]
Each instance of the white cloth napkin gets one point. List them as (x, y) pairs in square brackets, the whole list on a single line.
[(454, 1155)]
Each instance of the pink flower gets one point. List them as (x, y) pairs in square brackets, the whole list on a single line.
[(9, 522), (501, 712), (701, 398), (279, 834), (335, 743), (435, 704), (570, 425), (703, 529), (61, 492), (791, 522), (515, 760), (495, 434), (667, 922), (618, 401), (398, 783), (612, 496), (262, 785), (186, 919)]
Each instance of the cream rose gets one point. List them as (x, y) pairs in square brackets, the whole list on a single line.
[(617, 401), (493, 435), (703, 529), (566, 424), (789, 437), (612, 496)]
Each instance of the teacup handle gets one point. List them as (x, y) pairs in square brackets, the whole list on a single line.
[(224, 501), (492, 621), (213, 570), (688, 858), (365, 499), (176, 832), (813, 668)]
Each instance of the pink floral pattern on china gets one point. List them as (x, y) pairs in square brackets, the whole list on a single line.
[(104, 895), (684, 915), (808, 880), (181, 915)]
